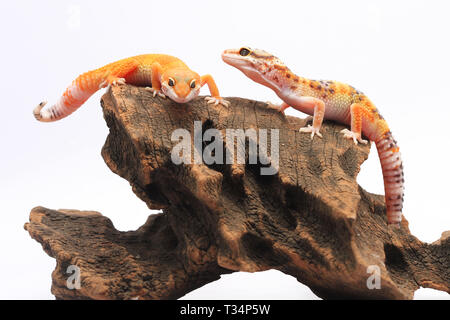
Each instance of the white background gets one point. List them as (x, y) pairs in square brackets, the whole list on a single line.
[(397, 52)]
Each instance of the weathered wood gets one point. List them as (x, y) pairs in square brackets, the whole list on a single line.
[(311, 220)]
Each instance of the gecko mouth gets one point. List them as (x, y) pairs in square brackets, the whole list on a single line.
[(181, 100), (230, 59), (174, 97), (227, 58), (248, 69)]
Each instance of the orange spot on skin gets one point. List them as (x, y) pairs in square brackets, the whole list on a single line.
[(342, 90), (278, 67)]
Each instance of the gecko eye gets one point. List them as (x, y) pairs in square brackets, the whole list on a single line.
[(192, 84), (171, 82), (244, 52)]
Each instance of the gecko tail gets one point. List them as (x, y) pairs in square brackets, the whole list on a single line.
[(55, 112), (75, 95), (392, 168), (51, 114), (37, 112)]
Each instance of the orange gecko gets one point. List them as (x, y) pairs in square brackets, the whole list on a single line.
[(330, 100), (167, 76)]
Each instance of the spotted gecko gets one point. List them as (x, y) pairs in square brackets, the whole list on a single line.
[(167, 76), (329, 100)]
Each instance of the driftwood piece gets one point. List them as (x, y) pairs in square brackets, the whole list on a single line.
[(310, 220)]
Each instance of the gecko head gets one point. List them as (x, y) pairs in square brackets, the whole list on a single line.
[(180, 85), (258, 65)]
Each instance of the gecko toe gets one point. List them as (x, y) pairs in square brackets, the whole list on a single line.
[(216, 101), (103, 84), (353, 136), (155, 92), (312, 130), (118, 81)]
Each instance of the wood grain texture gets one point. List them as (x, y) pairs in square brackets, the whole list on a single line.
[(311, 220)]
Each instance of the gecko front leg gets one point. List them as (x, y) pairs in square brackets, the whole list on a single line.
[(215, 96), (156, 81), (318, 107), (356, 112)]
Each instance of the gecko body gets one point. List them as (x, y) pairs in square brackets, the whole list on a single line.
[(161, 74), (329, 100)]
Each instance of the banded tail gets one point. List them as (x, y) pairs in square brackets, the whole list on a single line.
[(75, 95), (392, 167)]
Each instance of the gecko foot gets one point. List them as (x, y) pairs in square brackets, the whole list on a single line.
[(118, 81), (352, 135), (216, 101), (156, 92), (276, 107), (103, 84), (311, 129)]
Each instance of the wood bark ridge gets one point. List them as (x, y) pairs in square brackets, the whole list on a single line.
[(310, 220)]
